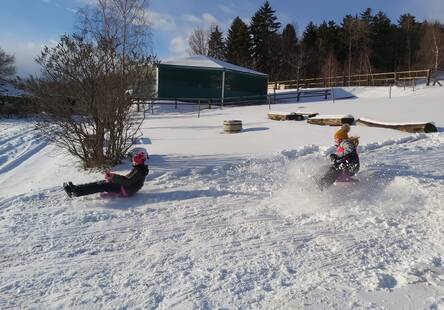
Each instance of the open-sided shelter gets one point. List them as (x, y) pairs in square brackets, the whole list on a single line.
[(204, 77)]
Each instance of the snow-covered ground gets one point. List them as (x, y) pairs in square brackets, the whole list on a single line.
[(232, 221)]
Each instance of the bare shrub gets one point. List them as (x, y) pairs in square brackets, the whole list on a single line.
[(87, 79)]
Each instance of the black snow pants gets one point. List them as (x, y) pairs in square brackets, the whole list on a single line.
[(96, 187), (329, 177), (331, 173)]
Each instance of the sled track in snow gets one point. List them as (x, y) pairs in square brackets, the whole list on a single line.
[(243, 235), (18, 146)]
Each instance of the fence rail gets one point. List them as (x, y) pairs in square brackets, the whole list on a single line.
[(207, 103), (373, 79)]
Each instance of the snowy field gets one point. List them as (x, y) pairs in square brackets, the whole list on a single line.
[(233, 221)]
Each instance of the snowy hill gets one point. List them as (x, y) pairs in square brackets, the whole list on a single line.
[(233, 220)]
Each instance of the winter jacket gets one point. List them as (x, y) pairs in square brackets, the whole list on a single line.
[(347, 158), (133, 181)]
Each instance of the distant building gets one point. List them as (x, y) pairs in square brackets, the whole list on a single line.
[(7, 89), (208, 78), (12, 100)]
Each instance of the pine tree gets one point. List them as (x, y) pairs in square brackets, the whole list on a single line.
[(383, 35), (7, 67), (263, 26), (349, 37), (216, 44), (310, 52), (409, 40), (238, 44), (290, 52), (364, 30)]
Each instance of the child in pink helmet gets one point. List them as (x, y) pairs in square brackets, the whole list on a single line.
[(125, 185)]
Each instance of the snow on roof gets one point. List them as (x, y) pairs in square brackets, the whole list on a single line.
[(8, 89), (201, 61)]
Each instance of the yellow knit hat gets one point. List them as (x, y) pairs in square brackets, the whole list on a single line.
[(342, 133)]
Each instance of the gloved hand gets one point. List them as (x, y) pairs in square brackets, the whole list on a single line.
[(108, 176), (333, 157)]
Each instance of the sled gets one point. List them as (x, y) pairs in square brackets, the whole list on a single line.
[(345, 178), (106, 195), (341, 178)]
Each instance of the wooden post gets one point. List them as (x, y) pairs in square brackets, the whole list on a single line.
[(175, 103), (414, 83), (209, 103), (152, 107), (299, 96), (428, 77), (274, 96), (326, 94), (395, 77)]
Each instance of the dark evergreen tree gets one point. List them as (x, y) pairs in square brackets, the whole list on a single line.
[(310, 52), (364, 42), (289, 53), (348, 41), (263, 26), (216, 44), (383, 35), (408, 41), (328, 43), (238, 44)]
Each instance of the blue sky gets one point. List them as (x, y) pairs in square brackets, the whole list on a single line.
[(27, 25)]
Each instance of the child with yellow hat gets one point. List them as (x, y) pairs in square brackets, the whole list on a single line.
[(345, 160)]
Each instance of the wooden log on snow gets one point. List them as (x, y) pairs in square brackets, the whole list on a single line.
[(331, 120), (282, 116), (290, 116), (414, 127)]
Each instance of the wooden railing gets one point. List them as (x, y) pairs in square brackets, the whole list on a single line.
[(374, 79)]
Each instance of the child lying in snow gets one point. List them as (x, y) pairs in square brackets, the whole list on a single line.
[(114, 183), (345, 162)]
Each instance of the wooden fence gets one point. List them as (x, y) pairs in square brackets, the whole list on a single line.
[(375, 79)]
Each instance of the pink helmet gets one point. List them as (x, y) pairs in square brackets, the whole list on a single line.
[(139, 158)]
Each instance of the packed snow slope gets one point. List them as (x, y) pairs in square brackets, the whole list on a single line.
[(233, 221)]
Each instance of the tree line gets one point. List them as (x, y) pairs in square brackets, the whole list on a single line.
[(363, 43)]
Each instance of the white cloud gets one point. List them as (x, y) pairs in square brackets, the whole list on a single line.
[(179, 45), (204, 21), (209, 19), (227, 9), (160, 21), (192, 19)]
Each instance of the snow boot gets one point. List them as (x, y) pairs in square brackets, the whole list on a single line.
[(69, 188)]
